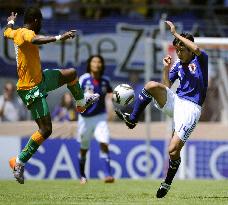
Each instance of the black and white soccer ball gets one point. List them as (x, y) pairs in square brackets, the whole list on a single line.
[(123, 95)]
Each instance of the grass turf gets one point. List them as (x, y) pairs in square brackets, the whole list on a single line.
[(123, 191)]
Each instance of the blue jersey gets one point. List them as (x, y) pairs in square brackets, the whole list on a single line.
[(193, 78), (101, 86)]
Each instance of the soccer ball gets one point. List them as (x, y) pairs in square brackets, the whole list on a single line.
[(123, 94)]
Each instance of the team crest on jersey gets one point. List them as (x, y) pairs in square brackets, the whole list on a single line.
[(192, 67)]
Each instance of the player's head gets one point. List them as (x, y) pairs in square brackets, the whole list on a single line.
[(67, 100), (9, 89), (95, 64), (183, 53), (33, 18)]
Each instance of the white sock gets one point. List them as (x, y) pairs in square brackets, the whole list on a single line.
[(19, 161), (82, 102)]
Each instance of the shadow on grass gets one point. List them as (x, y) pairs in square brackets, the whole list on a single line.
[(204, 197)]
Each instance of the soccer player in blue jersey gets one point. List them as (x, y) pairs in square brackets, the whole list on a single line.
[(184, 107), (93, 122)]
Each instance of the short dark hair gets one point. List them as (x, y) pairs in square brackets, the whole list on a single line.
[(189, 36), (102, 63), (32, 13)]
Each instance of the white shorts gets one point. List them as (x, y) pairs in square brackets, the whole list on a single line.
[(185, 114), (95, 126)]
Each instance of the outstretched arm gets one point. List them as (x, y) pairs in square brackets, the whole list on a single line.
[(9, 32), (191, 45), (165, 74), (40, 39), (11, 20)]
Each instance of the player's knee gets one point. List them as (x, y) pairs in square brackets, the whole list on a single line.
[(151, 85), (73, 73), (70, 75)]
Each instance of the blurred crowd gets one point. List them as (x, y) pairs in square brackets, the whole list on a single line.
[(191, 11), (65, 110), (97, 9), (11, 106)]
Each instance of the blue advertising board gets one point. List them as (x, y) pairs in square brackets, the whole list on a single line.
[(57, 158)]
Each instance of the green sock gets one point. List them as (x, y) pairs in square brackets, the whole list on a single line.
[(28, 151), (76, 91)]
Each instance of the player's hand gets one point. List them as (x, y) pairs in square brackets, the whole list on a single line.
[(167, 61), (171, 27), (68, 34), (12, 17)]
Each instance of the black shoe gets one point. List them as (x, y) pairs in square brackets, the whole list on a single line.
[(126, 119), (163, 190)]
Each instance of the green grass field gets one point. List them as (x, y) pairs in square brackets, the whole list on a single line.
[(127, 192)]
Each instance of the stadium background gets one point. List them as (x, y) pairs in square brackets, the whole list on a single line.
[(118, 32)]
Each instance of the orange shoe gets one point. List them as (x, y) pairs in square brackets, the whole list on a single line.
[(12, 162), (18, 170), (109, 179)]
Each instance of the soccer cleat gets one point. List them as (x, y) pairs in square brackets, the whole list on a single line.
[(163, 190), (126, 118), (83, 180), (109, 179), (90, 99), (18, 170)]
